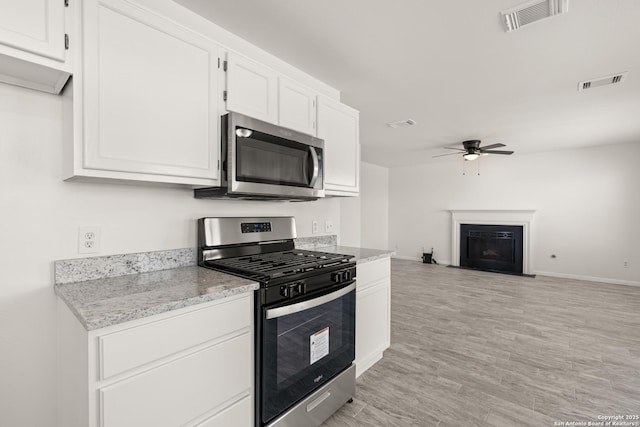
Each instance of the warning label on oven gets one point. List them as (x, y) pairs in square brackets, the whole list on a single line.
[(318, 345)]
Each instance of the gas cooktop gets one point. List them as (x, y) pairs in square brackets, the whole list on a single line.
[(267, 266)]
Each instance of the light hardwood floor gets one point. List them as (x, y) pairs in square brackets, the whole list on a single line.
[(473, 348)]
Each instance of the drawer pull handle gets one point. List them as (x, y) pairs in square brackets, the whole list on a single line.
[(324, 396)]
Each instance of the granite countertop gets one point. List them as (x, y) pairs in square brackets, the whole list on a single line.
[(109, 290), (113, 300), (361, 254)]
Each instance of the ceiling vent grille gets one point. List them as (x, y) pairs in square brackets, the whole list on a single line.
[(533, 11), (401, 123), (602, 81)]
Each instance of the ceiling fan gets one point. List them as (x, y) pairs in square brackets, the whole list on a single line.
[(472, 150)]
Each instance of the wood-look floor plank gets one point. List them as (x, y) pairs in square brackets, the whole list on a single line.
[(471, 348)]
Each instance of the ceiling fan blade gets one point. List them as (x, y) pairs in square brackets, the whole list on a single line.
[(442, 155), (495, 152), (456, 148), (489, 147)]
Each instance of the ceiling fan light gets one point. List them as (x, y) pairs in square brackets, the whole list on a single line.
[(471, 156)]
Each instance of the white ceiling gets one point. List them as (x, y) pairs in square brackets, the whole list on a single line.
[(451, 67)]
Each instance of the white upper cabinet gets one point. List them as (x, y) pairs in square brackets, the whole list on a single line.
[(338, 125), (35, 26), (149, 108), (32, 44), (296, 106), (252, 88)]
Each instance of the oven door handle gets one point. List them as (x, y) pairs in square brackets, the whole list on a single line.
[(274, 313)]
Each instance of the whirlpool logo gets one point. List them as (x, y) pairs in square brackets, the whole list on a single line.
[(318, 378)]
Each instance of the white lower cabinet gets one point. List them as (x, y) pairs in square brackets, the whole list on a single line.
[(191, 367), (373, 312), (238, 414)]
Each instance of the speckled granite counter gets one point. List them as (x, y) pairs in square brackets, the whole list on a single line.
[(113, 300), (361, 254), (106, 291)]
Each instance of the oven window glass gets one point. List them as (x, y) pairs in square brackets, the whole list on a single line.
[(301, 351), (268, 159)]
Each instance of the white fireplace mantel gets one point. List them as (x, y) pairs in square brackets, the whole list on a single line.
[(523, 218)]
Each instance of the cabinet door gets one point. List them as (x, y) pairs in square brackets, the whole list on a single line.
[(240, 414), (372, 325), (296, 106), (150, 89), (338, 126), (251, 89), (183, 390), (35, 26)]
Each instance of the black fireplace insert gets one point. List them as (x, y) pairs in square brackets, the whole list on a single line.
[(495, 248)]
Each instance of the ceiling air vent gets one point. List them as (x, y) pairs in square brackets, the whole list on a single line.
[(401, 123), (533, 11), (602, 81)]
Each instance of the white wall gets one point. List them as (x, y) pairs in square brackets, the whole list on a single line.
[(350, 233), (374, 207), (365, 219), (39, 219), (587, 199)]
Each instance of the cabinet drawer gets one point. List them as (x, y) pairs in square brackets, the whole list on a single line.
[(371, 272), (130, 348), (239, 414), (178, 392)]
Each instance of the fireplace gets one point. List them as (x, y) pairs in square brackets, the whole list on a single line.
[(491, 247), (522, 219)]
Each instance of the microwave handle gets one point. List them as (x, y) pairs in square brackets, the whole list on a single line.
[(316, 167), (274, 313)]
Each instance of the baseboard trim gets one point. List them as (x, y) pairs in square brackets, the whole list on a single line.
[(364, 364), (588, 278), (410, 258)]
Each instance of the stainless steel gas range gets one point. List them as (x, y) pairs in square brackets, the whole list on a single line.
[(304, 317)]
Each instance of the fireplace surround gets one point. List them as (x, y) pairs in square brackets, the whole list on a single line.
[(489, 218)]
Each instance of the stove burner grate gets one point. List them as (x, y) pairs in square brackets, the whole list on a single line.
[(279, 264)]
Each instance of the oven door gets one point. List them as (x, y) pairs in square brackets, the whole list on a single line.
[(304, 345), (265, 159)]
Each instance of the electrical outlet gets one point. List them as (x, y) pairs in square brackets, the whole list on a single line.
[(88, 240), (314, 227), (328, 226), (626, 264)]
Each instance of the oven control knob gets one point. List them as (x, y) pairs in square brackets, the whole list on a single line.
[(292, 290), (285, 291), (340, 276)]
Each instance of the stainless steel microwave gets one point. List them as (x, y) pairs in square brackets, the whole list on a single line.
[(262, 161)]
